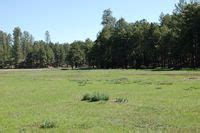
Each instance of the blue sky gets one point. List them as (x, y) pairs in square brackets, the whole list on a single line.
[(69, 20)]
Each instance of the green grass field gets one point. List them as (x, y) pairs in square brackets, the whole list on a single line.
[(157, 101)]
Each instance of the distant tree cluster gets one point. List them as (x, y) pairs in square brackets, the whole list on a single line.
[(21, 51), (172, 43)]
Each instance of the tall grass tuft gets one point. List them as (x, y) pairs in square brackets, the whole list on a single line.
[(121, 100), (47, 124), (95, 97)]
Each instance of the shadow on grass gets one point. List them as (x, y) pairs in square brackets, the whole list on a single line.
[(144, 69), (65, 69)]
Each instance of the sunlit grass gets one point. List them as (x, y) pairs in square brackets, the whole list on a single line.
[(155, 100)]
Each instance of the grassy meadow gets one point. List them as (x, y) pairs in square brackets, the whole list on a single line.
[(156, 101)]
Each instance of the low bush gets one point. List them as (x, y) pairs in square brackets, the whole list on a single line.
[(95, 97), (86, 97), (47, 124), (121, 100), (191, 88), (158, 88), (165, 83)]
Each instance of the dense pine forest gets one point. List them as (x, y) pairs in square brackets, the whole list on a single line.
[(174, 43)]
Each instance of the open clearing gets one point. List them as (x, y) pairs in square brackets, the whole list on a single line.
[(157, 101)]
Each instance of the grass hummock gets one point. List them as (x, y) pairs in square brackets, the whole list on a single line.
[(47, 124), (121, 100), (95, 97)]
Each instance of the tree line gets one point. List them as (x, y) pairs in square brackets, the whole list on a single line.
[(21, 51), (174, 42)]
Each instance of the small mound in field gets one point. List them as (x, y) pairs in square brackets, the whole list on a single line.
[(120, 81), (121, 100), (165, 83), (191, 88), (158, 88), (193, 78), (47, 124), (83, 82), (83, 126), (145, 83), (149, 123), (95, 97)]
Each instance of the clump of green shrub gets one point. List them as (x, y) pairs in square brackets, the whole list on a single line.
[(86, 97), (22, 130), (121, 100), (158, 88), (47, 124), (95, 97), (191, 88), (165, 83)]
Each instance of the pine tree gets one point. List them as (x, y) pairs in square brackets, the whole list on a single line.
[(17, 46)]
